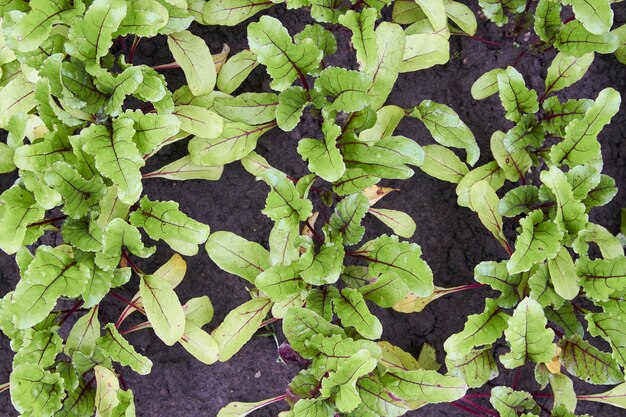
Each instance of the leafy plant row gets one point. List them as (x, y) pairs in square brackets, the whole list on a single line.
[(82, 120)]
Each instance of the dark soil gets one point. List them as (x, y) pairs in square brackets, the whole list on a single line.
[(452, 239)]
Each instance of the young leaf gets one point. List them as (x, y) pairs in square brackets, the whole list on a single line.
[(239, 326), (447, 128), (424, 50), (300, 325), (401, 223), (588, 363), (486, 85), (249, 108), (184, 169), (162, 307), (199, 121), (237, 255), (443, 164), (615, 397), (291, 105), (427, 386), (390, 256), (237, 68), (570, 214), (548, 20), (348, 89), (106, 391), (596, 17), (346, 220), (230, 13), (566, 70), (116, 156), (84, 334), (117, 234), (113, 345), (52, 273), (390, 43), (539, 240), (509, 402), (324, 157), (497, 277), (476, 369), (379, 399), (480, 330), (515, 96), (519, 200), (527, 335), (238, 409), (363, 37), (144, 18), (484, 201), (89, 38), (78, 193), (194, 57), (19, 209), (200, 344), (573, 39), (284, 60), (514, 164), (163, 220), (353, 311), (581, 144), (36, 391), (563, 275), (602, 277)]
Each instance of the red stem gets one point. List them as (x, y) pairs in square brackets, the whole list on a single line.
[(269, 321), (483, 40), (73, 310), (124, 300), (480, 407), (464, 408), (516, 378), (47, 221), (172, 65), (131, 263)]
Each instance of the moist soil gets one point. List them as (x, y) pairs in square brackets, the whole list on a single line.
[(452, 239)]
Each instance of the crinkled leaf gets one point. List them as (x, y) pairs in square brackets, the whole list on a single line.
[(353, 311), (114, 346), (300, 325), (363, 37), (509, 403), (539, 240), (586, 362), (519, 200), (347, 89), (516, 98), (35, 391), (573, 39), (476, 369)]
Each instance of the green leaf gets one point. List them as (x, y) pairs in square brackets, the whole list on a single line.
[(563, 275), (526, 133), (237, 255), (353, 311), (519, 200), (249, 108), (484, 202), (580, 144), (615, 397), (300, 325), (34, 391), (447, 128), (541, 289), (199, 121), (427, 386), (114, 346), (163, 220), (194, 57), (164, 311), (596, 17), (239, 326), (291, 105), (347, 89), (42, 349), (387, 120), (78, 193), (401, 223), (602, 277), (573, 39), (527, 335), (462, 16), (363, 38), (566, 318), (117, 234), (324, 39), (480, 330), (324, 157), (570, 214), (514, 164), (18, 97), (548, 20), (144, 18), (486, 85), (52, 273), (237, 68), (389, 256), (232, 12), (19, 209), (516, 98), (443, 164), (496, 10), (539, 241), (200, 344), (424, 50), (184, 169), (379, 399), (90, 37), (238, 409), (390, 44), (280, 282), (118, 87), (284, 60), (79, 402), (566, 70), (346, 220), (326, 266), (84, 334), (476, 369), (106, 391), (509, 403), (602, 194), (117, 157), (353, 180), (152, 130), (610, 246), (497, 277), (236, 141), (586, 362)]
